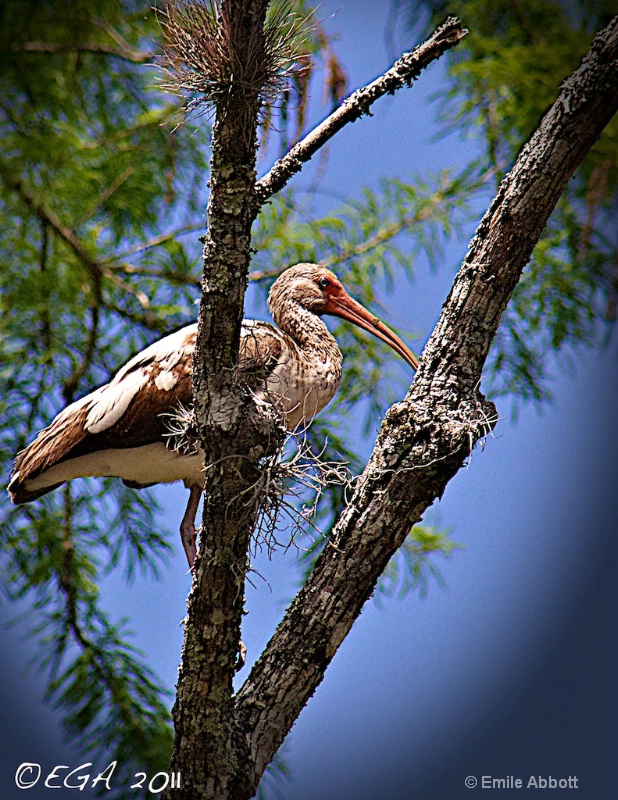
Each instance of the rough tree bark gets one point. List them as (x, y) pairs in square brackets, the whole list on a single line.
[(223, 743), (215, 605)]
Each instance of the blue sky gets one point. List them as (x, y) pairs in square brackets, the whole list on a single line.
[(506, 671)]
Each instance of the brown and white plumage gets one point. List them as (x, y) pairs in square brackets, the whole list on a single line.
[(122, 429)]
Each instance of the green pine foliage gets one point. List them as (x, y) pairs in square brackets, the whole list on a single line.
[(504, 76), (91, 180), (413, 565)]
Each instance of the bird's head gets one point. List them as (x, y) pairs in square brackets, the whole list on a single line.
[(320, 291), (308, 285)]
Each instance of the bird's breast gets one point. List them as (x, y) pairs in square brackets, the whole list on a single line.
[(302, 384)]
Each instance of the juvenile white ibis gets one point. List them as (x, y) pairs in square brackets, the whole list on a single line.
[(122, 429)]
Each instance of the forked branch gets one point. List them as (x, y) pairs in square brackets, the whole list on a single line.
[(425, 439), (213, 759)]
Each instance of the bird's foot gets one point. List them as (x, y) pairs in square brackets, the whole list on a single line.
[(188, 534)]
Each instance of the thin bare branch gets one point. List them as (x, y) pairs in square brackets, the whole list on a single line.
[(93, 266), (402, 73), (106, 194), (70, 384), (388, 232), (147, 321), (96, 268), (125, 52), (154, 242), (98, 659)]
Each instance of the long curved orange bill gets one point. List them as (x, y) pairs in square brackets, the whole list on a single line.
[(344, 306)]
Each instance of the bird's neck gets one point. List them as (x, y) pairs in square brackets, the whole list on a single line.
[(308, 331)]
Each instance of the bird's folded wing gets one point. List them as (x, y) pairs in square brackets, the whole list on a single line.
[(134, 409), (261, 348), (129, 411)]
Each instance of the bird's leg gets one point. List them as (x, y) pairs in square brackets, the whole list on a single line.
[(188, 534), (187, 526)]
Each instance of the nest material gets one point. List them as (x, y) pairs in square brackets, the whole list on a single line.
[(288, 491), (181, 431)]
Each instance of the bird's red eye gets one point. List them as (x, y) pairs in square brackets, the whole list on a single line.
[(323, 283)]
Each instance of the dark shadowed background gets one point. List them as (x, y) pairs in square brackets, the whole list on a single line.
[(512, 668)]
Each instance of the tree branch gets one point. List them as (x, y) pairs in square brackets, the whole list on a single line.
[(49, 217), (97, 269), (234, 432), (124, 52), (425, 439), (122, 48), (388, 232), (402, 73), (70, 385), (154, 242)]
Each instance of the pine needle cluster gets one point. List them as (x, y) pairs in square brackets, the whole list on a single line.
[(201, 58)]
